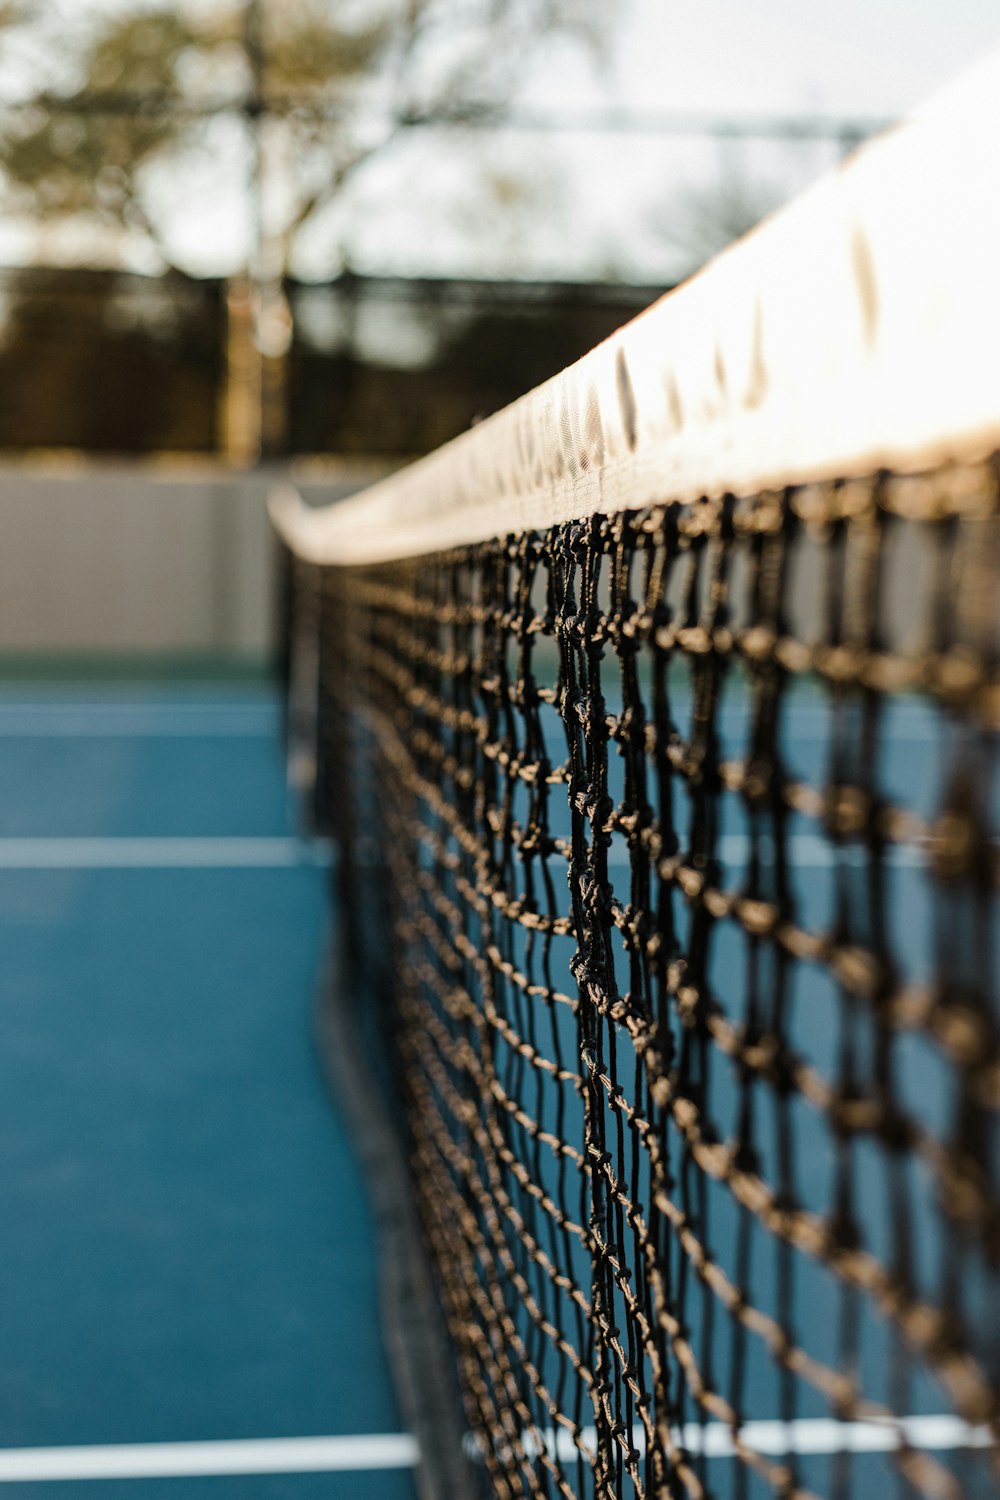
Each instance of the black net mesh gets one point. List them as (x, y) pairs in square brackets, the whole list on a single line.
[(672, 838)]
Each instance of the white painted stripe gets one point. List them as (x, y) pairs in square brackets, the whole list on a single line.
[(807, 851), (799, 725), (824, 1435), (821, 1435), (804, 851), (65, 700), (158, 853), (146, 721), (309, 1455)]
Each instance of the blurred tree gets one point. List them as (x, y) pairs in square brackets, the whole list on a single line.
[(110, 362), (128, 104)]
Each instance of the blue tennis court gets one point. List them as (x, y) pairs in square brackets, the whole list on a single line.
[(189, 1256)]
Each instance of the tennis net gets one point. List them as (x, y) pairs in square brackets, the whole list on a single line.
[(656, 721)]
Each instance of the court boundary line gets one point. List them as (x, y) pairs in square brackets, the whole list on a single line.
[(37, 731), (303, 1455), (169, 852), (799, 1436), (67, 718), (383, 1452)]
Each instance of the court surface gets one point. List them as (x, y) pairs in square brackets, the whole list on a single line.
[(188, 1294), (188, 1255)]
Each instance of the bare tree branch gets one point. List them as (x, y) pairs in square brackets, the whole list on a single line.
[(134, 97)]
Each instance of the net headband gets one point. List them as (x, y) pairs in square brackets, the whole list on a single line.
[(859, 328)]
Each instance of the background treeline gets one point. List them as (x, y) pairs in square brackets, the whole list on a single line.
[(111, 362)]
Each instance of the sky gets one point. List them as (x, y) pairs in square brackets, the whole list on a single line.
[(577, 204), (858, 56), (616, 204)]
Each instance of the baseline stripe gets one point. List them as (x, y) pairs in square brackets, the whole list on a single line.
[(802, 851), (158, 853), (822, 1435), (310, 1455), (144, 721)]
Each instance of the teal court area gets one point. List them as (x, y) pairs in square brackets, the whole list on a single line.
[(188, 1252)]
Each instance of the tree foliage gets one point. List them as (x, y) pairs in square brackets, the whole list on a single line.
[(324, 86)]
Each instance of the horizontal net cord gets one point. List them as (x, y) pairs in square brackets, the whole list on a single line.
[(855, 330)]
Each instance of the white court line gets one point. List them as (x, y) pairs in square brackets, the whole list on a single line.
[(777, 1439), (308, 1455), (803, 851), (383, 1451), (142, 721), (158, 853), (807, 851)]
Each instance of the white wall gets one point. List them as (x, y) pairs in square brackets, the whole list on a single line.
[(143, 557)]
